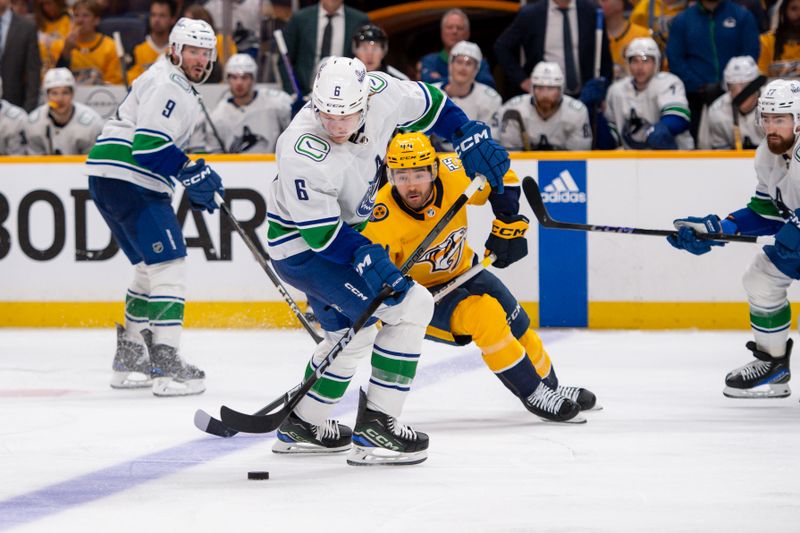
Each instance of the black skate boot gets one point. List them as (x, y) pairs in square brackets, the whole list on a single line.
[(548, 404), (298, 436), (583, 397), (171, 376), (379, 439), (766, 377), (131, 366)]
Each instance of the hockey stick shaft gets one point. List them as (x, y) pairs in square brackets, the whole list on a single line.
[(121, 55), (463, 278), (534, 197), (214, 130), (270, 422), (598, 41), (516, 116), (287, 64)]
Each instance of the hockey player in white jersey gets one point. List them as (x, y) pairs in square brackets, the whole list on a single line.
[(251, 119), (329, 166), (648, 109), (132, 169), (477, 100), (62, 126), (12, 127), (547, 119), (771, 211), (741, 74)]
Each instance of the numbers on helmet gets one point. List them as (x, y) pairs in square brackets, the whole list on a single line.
[(337, 90)]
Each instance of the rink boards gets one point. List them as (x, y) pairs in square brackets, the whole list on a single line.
[(60, 268)]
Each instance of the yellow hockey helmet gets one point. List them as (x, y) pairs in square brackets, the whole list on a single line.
[(411, 150)]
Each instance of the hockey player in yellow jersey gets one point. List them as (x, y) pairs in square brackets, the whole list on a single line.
[(421, 188)]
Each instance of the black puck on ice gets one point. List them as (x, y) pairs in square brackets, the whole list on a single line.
[(258, 474)]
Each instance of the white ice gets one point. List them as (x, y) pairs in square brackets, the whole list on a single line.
[(668, 453)]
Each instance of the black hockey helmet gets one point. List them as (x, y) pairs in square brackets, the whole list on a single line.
[(370, 33)]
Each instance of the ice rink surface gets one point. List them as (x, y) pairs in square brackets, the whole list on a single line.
[(667, 454)]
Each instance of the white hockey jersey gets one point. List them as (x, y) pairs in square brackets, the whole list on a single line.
[(160, 111), (253, 128), (720, 126), (776, 172), (322, 185), (482, 103), (13, 120), (77, 136), (567, 129), (630, 113)]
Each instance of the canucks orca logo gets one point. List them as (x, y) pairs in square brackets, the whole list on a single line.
[(368, 201), (446, 255)]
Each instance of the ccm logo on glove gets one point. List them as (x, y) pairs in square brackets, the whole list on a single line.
[(469, 142), (197, 178)]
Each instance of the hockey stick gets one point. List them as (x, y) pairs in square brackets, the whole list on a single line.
[(598, 41), (749, 90), (455, 283), (205, 422), (123, 65), (211, 123), (534, 197), (284, 51), (513, 114), (270, 422)]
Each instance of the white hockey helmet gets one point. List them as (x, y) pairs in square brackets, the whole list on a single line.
[(58, 77), (341, 87), (466, 48), (644, 47), (547, 74), (740, 69), (241, 64), (194, 32), (781, 97)]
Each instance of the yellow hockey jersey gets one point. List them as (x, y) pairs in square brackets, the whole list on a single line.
[(395, 224), (92, 60), (144, 54)]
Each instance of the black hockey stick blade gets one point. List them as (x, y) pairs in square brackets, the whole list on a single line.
[(534, 197), (205, 422)]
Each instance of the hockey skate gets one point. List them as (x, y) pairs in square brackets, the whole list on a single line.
[(552, 406), (379, 439), (171, 376), (585, 398), (131, 366), (298, 436), (766, 377)]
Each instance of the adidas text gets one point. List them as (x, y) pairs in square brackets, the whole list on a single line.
[(564, 197)]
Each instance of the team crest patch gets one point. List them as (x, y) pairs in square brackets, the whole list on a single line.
[(312, 147), (158, 247), (446, 255), (431, 212), (379, 212), (797, 153)]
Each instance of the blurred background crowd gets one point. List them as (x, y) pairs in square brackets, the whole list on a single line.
[(545, 74)]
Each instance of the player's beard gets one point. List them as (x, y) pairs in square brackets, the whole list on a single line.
[(780, 145)]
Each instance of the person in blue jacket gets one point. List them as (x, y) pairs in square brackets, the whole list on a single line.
[(702, 39)]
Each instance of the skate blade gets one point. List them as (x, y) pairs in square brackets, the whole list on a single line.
[(306, 448), (597, 407), (577, 419), (168, 387), (771, 390), (130, 380), (367, 456)]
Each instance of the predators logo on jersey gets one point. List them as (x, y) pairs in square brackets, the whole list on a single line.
[(446, 256), (379, 212)]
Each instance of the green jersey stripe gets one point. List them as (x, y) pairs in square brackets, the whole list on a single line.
[(431, 115)]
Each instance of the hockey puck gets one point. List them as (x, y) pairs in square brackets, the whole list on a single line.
[(258, 475)]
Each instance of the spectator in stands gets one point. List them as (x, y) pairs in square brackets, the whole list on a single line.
[(545, 119), (62, 126), (698, 60), (316, 32), (12, 127), (620, 32), (20, 63), (370, 45), (454, 29), (545, 30), (656, 16), (780, 49), (245, 14), (278, 13), (54, 22), (250, 120), (90, 55), (477, 100), (161, 19), (741, 77), (648, 109), (225, 47)]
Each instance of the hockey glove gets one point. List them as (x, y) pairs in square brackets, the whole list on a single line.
[(507, 240), (201, 183), (660, 138), (689, 227), (593, 92), (785, 253), (480, 154), (374, 266)]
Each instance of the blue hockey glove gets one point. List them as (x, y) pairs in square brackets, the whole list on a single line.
[(374, 266), (785, 253), (201, 183), (660, 138), (480, 154), (507, 240), (593, 92), (689, 227)]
